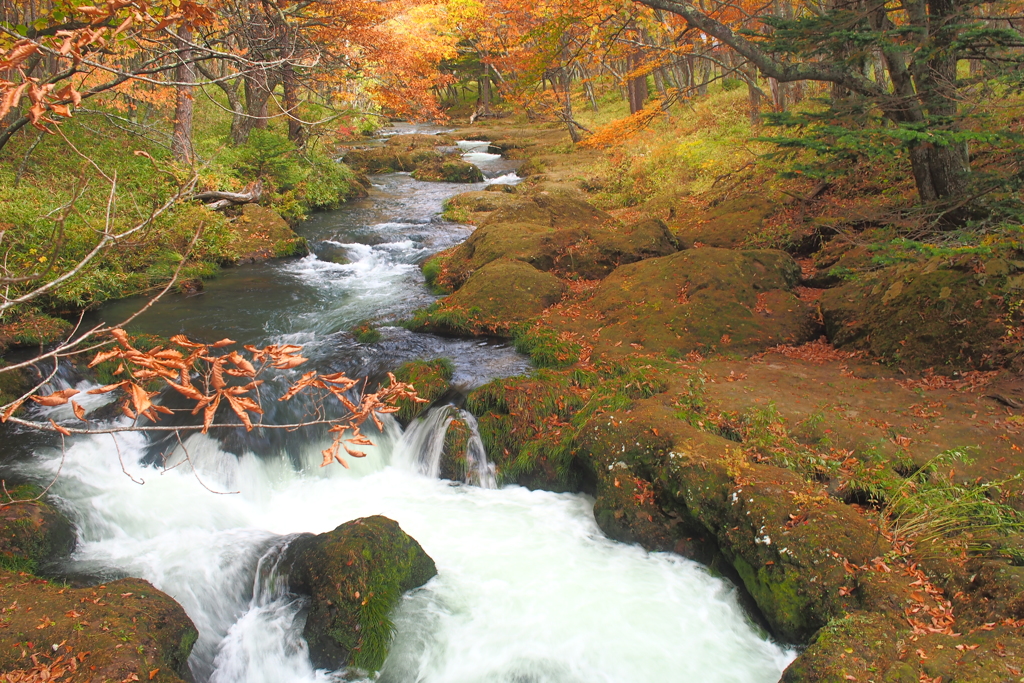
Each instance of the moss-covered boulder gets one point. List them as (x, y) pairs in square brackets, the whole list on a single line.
[(355, 576), (123, 631), (33, 534), (454, 463), (431, 378), (859, 646), (958, 313), (448, 170), (728, 225), (507, 291), (259, 233), (551, 231), (480, 201), (391, 159), (699, 299), (411, 141)]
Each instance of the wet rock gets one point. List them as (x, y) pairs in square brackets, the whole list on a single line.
[(481, 201), (393, 160), (700, 299), (124, 630), (507, 291), (260, 233), (448, 170), (34, 535), (454, 455), (857, 646), (431, 378), (355, 576), (413, 141), (954, 314), (794, 570), (730, 224)]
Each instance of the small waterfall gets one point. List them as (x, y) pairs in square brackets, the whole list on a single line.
[(266, 643), (431, 447), (479, 470)]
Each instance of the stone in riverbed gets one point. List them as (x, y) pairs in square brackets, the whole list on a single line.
[(508, 291), (33, 535), (448, 170), (355, 576)]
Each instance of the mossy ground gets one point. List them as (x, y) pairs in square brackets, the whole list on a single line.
[(777, 465)]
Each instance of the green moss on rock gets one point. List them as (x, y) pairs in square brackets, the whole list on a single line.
[(857, 646), (730, 224), (355, 576), (961, 313), (508, 291), (448, 170), (260, 233), (431, 378), (699, 299), (33, 534)]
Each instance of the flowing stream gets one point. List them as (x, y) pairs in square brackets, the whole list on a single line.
[(528, 588)]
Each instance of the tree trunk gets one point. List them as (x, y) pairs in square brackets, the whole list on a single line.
[(754, 94), (181, 139), (636, 88), (296, 133)]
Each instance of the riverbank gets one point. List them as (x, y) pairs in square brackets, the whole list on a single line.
[(862, 487)]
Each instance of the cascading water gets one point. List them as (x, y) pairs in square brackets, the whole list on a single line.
[(422, 446), (528, 588)]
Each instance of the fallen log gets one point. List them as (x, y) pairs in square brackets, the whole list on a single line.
[(252, 194)]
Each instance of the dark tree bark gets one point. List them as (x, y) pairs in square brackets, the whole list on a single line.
[(296, 133)]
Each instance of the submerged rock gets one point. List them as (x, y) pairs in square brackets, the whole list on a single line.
[(355, 576)]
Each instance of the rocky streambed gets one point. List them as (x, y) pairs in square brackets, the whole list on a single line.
[(864, 508)]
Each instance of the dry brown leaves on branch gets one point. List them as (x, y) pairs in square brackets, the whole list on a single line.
[(208, 378)]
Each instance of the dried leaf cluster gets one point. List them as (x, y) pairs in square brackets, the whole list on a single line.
[(210, 378)]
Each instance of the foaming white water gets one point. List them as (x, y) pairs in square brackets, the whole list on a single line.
[(507, 179), (422, 445), (528, 588)]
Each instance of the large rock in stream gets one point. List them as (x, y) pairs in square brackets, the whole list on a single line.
[(355, 576)]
